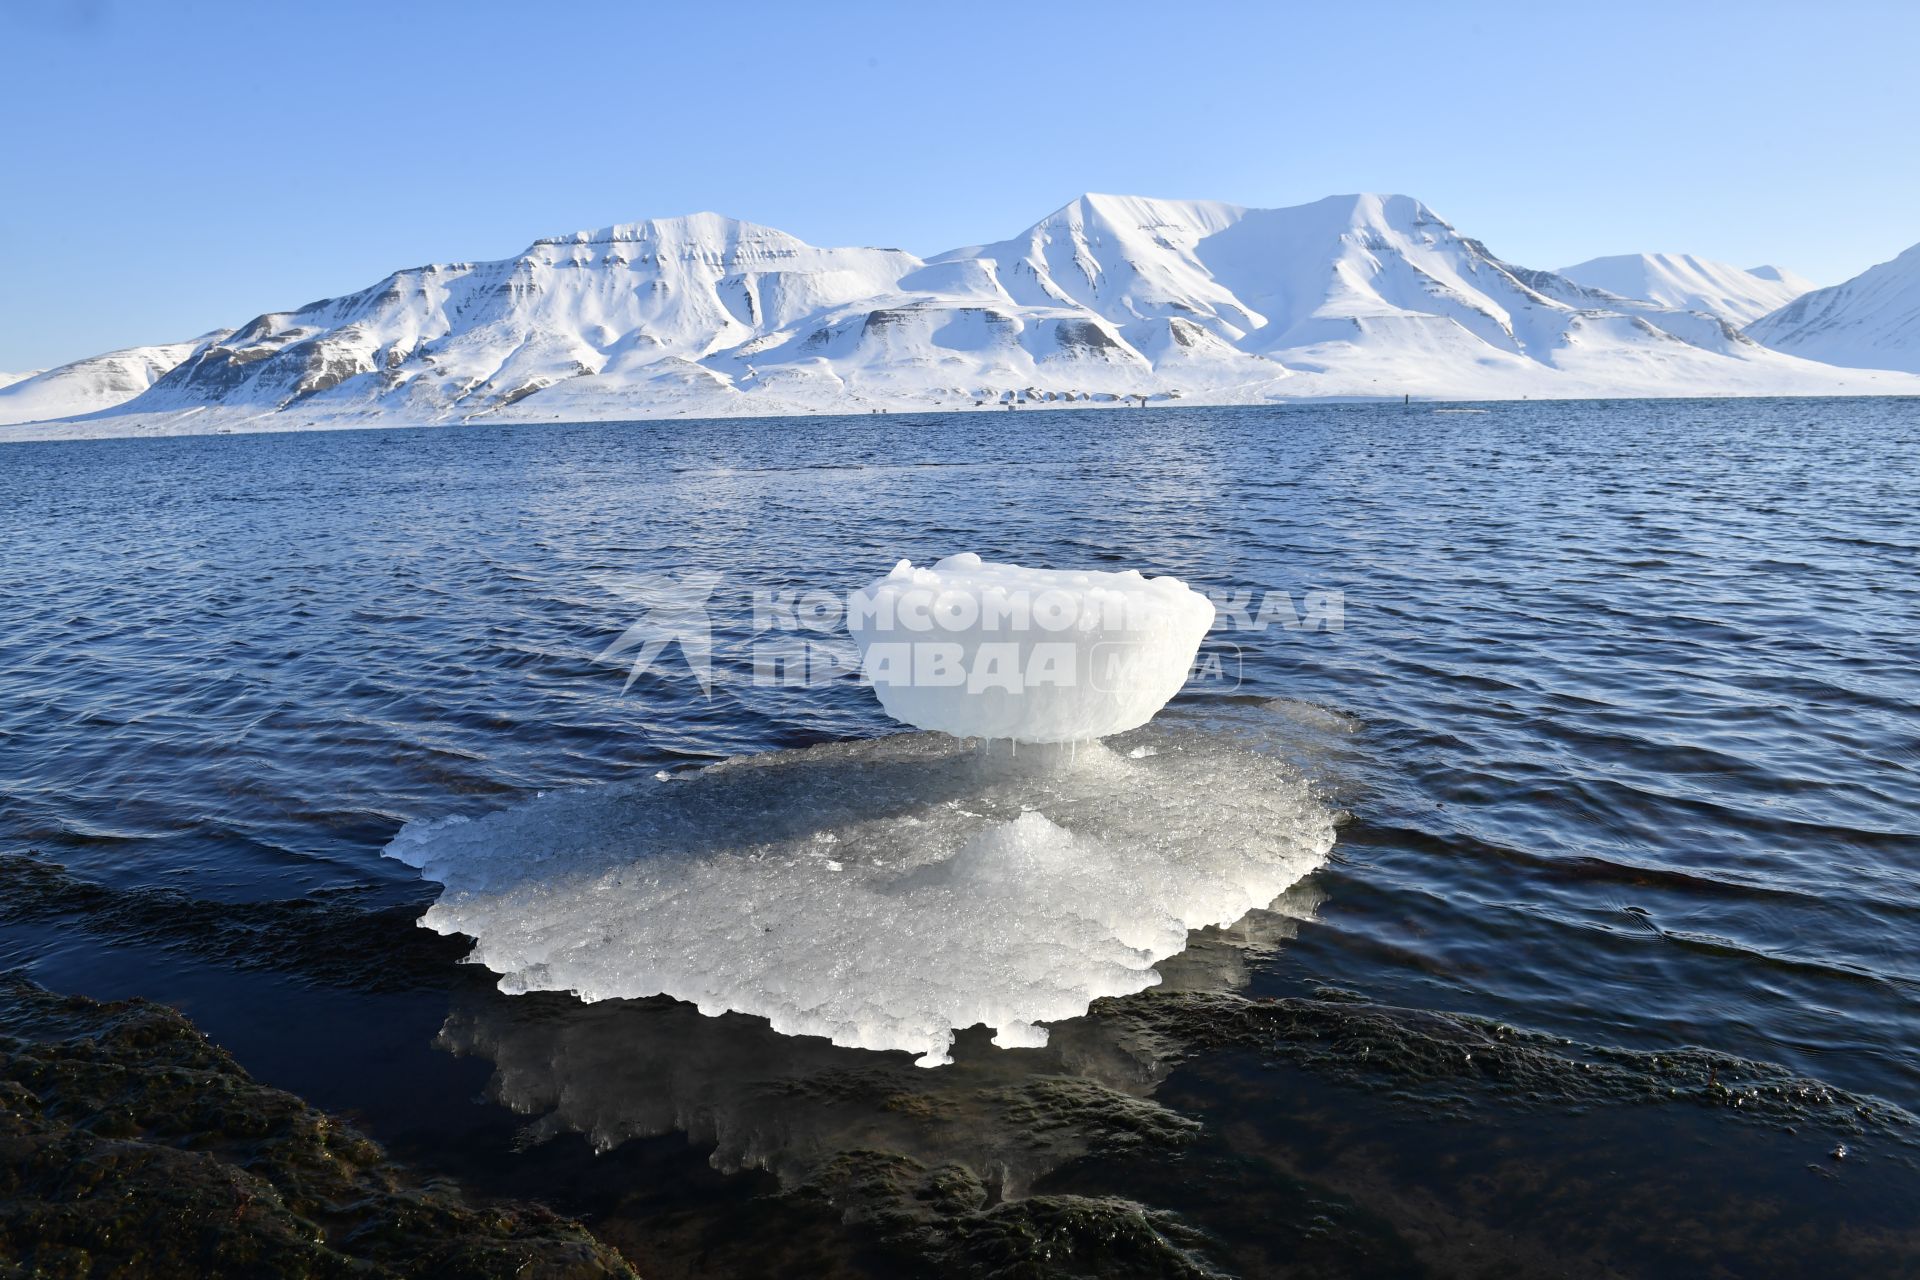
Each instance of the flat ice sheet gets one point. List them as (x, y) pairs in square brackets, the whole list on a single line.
[(883, 892)]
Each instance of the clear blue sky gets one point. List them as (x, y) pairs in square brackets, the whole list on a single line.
[(173, 167)]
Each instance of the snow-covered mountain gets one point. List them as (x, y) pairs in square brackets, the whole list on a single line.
[(645, 315), (1738, 295), (1351, 295), (8, 379), (1108, 297), (98, 382), (1870, 322)]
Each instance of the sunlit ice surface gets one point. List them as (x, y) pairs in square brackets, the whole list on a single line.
[(616, 1070), (979, 649), (884, 892)]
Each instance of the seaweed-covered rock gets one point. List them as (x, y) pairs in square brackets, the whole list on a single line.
[(937, 1221), (1450, 1060), (1107, 1120), (130, 1145)]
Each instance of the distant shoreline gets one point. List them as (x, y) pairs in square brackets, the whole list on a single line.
[(211, 422)]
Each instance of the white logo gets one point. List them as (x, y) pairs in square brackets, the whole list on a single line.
[(801, 638), (674, 610)]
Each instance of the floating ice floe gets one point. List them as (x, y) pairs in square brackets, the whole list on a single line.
[(977, 649), (885, 892), (616, 1070)]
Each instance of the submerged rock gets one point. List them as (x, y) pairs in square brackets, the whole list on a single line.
[(131, 1145), (939, 1222), (333, 938), (1451, 1061)]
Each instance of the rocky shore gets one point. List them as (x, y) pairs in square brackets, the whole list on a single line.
[(130, 1145)]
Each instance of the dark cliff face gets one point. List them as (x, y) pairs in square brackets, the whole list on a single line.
[(1085, 337), (220, 369)]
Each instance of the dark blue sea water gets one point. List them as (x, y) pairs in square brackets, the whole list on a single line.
[(1622, 702)]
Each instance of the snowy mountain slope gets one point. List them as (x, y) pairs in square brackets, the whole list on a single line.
[(8, 379), (1870, 322), (1363, 295), (86, 386), (1687, 283), (1107, 297), (466, 338)]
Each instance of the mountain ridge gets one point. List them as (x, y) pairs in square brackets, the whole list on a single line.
[(1691, 283), (1870, 321), (93, 383), (1107, 298)]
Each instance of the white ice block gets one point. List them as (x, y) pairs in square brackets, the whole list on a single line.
[(983, 650)]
